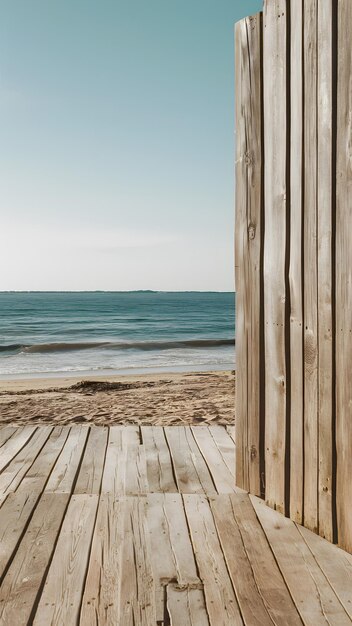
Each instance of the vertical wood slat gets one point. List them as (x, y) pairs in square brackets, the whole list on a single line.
[(310, 269), (324, 246), (344, 278), (275, 131), (248, 249), (295, 267)]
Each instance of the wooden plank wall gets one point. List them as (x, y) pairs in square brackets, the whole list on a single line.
[(294, 261)]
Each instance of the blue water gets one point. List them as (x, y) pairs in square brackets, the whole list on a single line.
[(43, 334)]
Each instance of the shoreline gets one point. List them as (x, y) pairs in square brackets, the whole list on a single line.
[(168, 398)]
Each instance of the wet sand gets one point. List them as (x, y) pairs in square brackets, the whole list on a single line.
[(150, 399)]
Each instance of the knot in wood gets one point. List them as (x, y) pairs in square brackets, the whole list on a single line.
[(248, 159), (253, 452), (251, 231)]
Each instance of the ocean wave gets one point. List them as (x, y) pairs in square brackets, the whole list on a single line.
[(112, 345)]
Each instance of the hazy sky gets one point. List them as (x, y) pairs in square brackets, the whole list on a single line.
[(117, 143)]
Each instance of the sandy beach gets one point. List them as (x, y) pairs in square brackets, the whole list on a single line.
[(153, 399)]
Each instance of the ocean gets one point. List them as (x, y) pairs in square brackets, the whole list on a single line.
[(73, 333)]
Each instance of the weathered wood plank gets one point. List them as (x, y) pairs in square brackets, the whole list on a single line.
[(6, 432), (60, 600), (275, 189), (172, 557), (192, 474), (226, 446), (313, 596), (221, 475), (248, 248), (260, 587), (324, 190), (25, 575), (186, 607), (100, 603), (221, 602), (91, 471), (336, 565), (137, 595), (118, 479), (64, 472), (295, 268), (159, 466), (15, 444), (12, 475), (344, 279), (310, 269)]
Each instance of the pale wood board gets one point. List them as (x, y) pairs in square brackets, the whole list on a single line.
[(191, 471), (100, 603), (12, 475), (64, 472), (314, 597), (61, 597), (269, 580), (295, 268), (25, 575), (221, 475), (221, 601), (137, 591), (14, 444), (186, 607), (248, 60), (324, 189), (344, 279), (91, 471), (275, 192), (6, 432), (159, 466), (310, 269), (172, 557), (224, 442)]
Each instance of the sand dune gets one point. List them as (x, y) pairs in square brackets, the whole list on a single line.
[(160, 399)]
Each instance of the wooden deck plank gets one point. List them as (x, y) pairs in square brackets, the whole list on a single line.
[(221, 475), (221, 602), (19, 505), (226, 446), (64, 472), (314, 598), (336, 565), (25, 575), (186, 607), (137, 594), (6, 432), (116, 479), (159, 465), (91, 471), (12, 475), (61, 598), (14, 444), (100, 604), (172, 555), (249, 589), (192, 474)]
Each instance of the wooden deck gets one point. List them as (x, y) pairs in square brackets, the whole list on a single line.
[(129, 526)]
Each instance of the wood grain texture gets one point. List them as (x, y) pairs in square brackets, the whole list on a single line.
[(61, 598), (324, 241), (313, 596), (344, 279), (295, 267), (275, 190), (191, 471), (222, 605), (248, 36)]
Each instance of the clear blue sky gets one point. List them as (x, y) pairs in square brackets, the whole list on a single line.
[(117, 143)]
